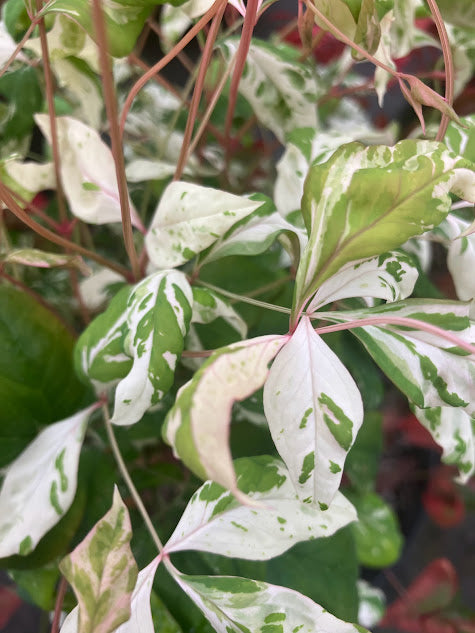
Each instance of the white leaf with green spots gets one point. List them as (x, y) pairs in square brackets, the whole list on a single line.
[(208, 306), (87, 171), (40, 485), (100, 287), (82, 89), (314, 411), (461, 140), (391, 277), (454, 430), (158, 315), (372, 604), (237, 605), (429, 369), (189, 218), (214, 521), (27, 178), (102, 571), (197, 426), (281, 90), (365, 201), (174, 20)]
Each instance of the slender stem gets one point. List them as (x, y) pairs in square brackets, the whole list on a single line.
[(448, 62), (116, 144), (22, 215), (20, 45), (243, 298), (58, 605), (130, 484), (391, 320)]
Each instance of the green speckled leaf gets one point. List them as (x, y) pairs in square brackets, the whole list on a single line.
[(103, 572), (461, 140), (208, 306), (214, 521), (40, 485), (314, 411)]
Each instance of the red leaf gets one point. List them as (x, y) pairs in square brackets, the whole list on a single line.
[(9, 605), (416, 434), (442, 500)]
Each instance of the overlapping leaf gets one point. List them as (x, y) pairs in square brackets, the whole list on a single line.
[(230, 374), (208, 306), (27, 178), (365, 201), (103, 572), (460, 255), (214, 521), (40, 485), (314, 411), (189, 218)]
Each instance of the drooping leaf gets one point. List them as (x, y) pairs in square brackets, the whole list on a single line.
[(103, 572), (234, 605), (214, 521), (189, 218), (391, 276), (87, 171), (428, 368), (41, 259), (197, 427), (208, 306), (453, 429), (314, 411), (157, 317), (281, 90), (40, 485), (366, 201)]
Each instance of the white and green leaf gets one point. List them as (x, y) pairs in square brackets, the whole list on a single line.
[(372, 604), (230, 374), (81, 88), (40, 485), (214, 521), (102, 571), (391, 277), (189, 218), (314, 411), (27, 178), (42, 259), (461, 140), (208, 306), (158, 314), (460, 255)]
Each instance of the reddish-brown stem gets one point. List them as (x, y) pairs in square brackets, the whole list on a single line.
[(55, 226), (58, 607), (181, 55), (116, 144), (197, 92), (140, 83), (241, 56), (20, 45), (22, 215), (448, 62)]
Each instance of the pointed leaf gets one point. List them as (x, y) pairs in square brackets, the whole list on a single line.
[(368, 200), (197, 427), (281, 90), (235, 605), (189, 218), (454, 430), (103, 572), (40, 485), (314, 411), (141, 617), (158, 314), (208, 306), (368, 30), (41, 259), (214, 521), (428, 97), (87, 171), (391, 276)]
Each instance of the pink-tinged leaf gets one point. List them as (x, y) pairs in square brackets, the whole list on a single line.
[(41, 259), (428, 97), (103, 572), (197, 427), (416, 106), (141, 618)]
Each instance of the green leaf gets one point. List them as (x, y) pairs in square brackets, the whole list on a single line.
[(214, 521), (362, 463), (372, 604), (281, 90), (158, 314), (368, 200), (378, 538), (368, 30), (230, 374), (339, 14), (314, 411), (37, 381), (103, 572), (459, 12), (15, 17), (40, 485), (37, 586), (21, 98), (461, 140)]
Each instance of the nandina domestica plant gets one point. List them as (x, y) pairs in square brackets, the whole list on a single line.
[(216, 262)]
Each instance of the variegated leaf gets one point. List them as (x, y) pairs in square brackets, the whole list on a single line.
[(391, 276), (82, 88), (234, 605), (100, 287), (208, 306), (189, 218), (431, 370), (41, 259), (454, 430), (314, 411), (214, 521), (197, 427), (103, 572), (461, 140), (460, 255), (27, 178), (40, 485), (158, 314), (281, 90), (87, 171), (368, 200), (372, 604)]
